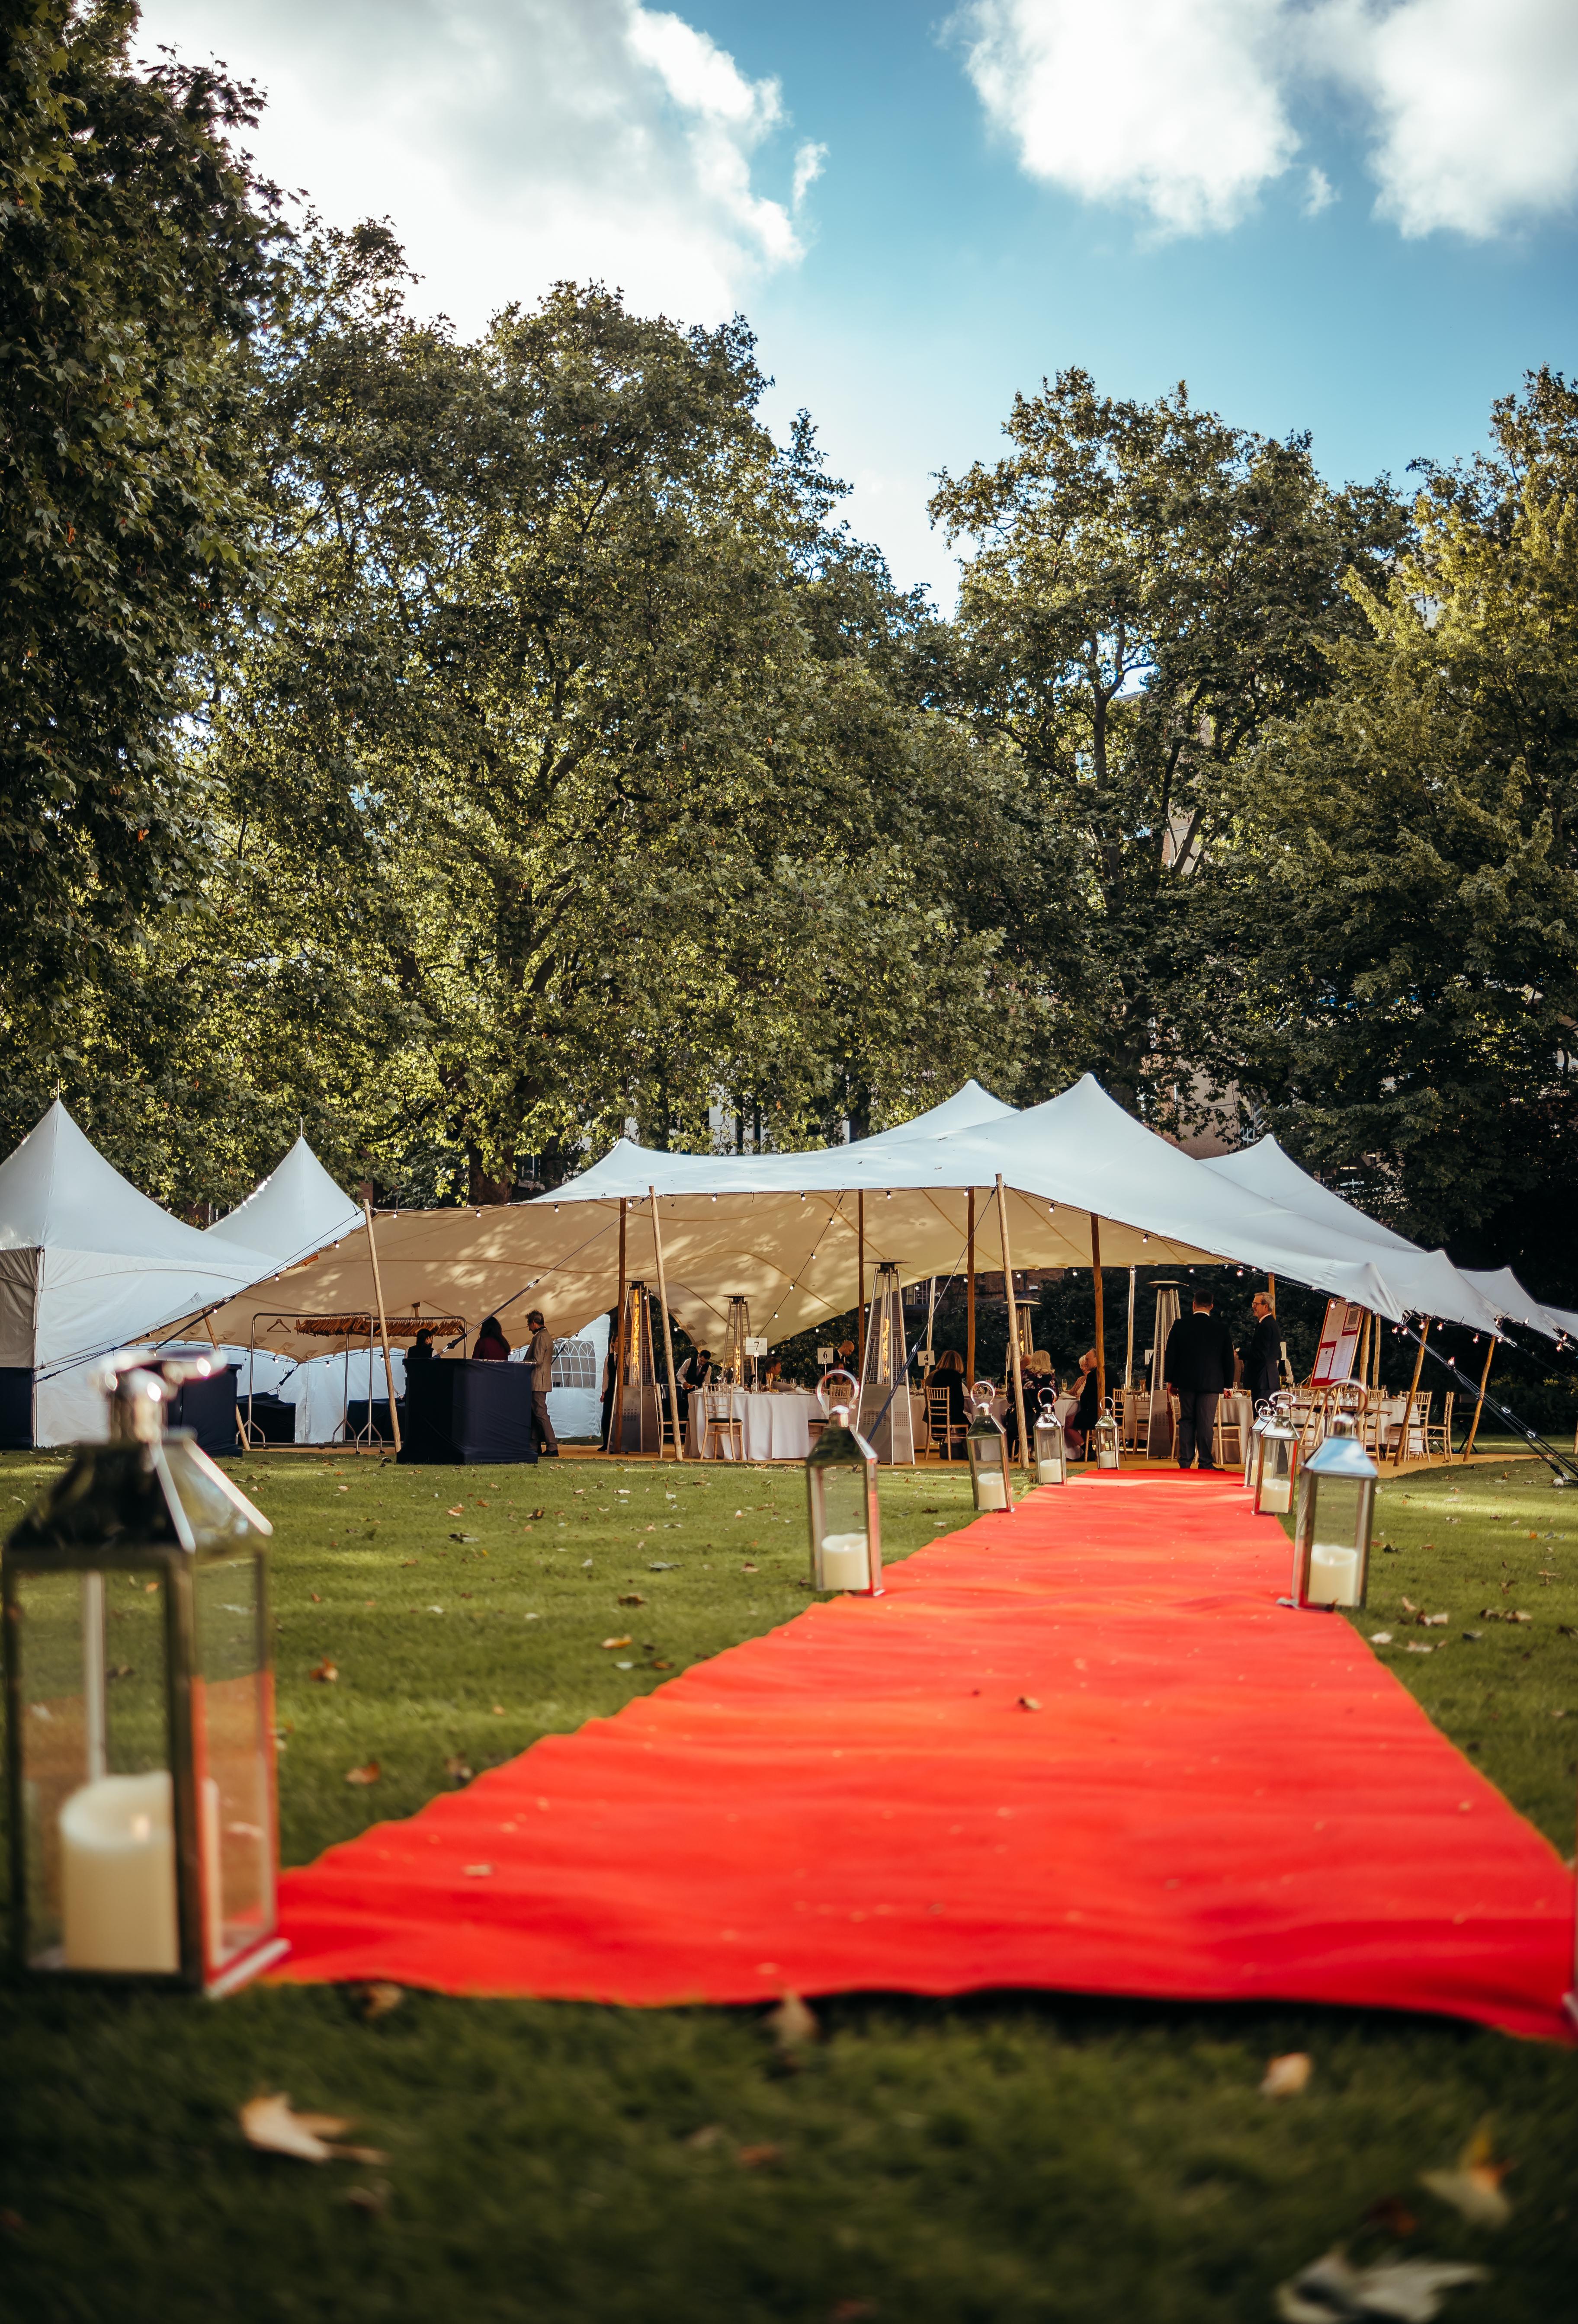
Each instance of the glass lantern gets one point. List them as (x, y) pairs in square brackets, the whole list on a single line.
[(1252, 1435), (987, 1447), (139, 1709), (1105, 1437), (1279, 1459), (1051, 1452), (1336, 1507), (840, 1491)]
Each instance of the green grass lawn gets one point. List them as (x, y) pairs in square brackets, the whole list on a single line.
[(1003, 2158)]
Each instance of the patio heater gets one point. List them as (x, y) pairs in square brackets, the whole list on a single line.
[(1051, 1452), (1159, 1432), (139, 1708), (884, 1393), (987, 1447), (1336, 1507), (1276, 1463), (841, 1494)]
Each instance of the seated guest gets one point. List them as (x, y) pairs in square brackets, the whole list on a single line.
[(948, 1372), (420, 1351), (1035, 1373), (491, 1347), (1088, 1410)]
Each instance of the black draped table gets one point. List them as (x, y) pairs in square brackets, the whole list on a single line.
[(467, 1412)]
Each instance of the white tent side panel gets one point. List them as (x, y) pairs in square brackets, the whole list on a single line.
[(19, 1284)]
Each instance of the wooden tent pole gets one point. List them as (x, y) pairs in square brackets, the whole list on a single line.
[(969, 1294), (616, 1417), (382, 1330), (1101, 1312), (668, 1335), (1402, 1451), (1480, 1405), (1013, 1324), (1363, 1364), (860, 1297)]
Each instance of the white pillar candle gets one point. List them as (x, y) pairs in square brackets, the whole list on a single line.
[(1277, 1495), (117, 1874), (1048, 1472), (1334, 1575), (846, 1562), (990, 1490)]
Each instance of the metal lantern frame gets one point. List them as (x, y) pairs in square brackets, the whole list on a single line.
[(1253, 1436), (1274, 1481), (1051, 1445), (841, 1446), (1106, 1439), (1339, 1468), (147, 1507), (986, 1449)]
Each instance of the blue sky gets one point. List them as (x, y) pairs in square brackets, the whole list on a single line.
[(1357, 216)]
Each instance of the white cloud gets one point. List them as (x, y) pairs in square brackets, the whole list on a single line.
[(1185, 106), (1476, 105), (1173, 104), (513, 142)]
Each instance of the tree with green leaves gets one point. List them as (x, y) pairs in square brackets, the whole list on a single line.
[(1407, 892), (1146, 587), (135, 257)]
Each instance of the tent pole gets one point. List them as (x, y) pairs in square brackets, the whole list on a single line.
[(860, 1294), (616, 1417), (383, 1334), (931, 1321), (1402, 1451), (1128, 1351), (1480, 1406), (1013, 1324), (667, 1335), (1101, 1316), (1363, 1365), (970, 1295)]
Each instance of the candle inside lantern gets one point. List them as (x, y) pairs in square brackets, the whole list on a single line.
[(117, 1875), (846, 1562), (1334, 1575), (990, 1492), (1276, 1494)]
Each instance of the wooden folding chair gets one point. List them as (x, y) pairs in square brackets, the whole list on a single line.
[(1438, 1433), (944, 1430), (721, 1424)]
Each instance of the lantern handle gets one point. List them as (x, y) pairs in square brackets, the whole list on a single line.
[(982, 1396), (831, 1406)]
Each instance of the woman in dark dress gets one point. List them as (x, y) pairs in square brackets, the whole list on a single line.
[(491, 1347), (1088, 1410)]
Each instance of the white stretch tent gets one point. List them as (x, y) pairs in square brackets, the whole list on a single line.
[(1425, 1281), (783, 1229), (297, 1210), (88, 1264)]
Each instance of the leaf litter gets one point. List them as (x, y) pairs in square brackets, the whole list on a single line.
[(269, 2123)]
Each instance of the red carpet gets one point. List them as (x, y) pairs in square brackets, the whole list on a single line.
[(1216, 1798)]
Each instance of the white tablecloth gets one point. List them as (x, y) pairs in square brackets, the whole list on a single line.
[(775, 1427)]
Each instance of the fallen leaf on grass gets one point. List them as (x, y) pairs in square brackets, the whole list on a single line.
[(324, 1672), (379, 1998), (1381, 1637), (498, 1710), (457, 1511), (748, 1568), (372, 2199), (792, 2023), (661, 1568), (457, 1769), (1402, 2291), (1392, 2216), (1474, 2188), (711, 2133), (765, 2157), (633, 1597), (669, 1667), (539, 1513), (1285, 2076), (268, 2123), (609, 1644), (367, 1775), (316, 1599)]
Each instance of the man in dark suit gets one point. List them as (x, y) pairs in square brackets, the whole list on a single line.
[(1197, 1365), (1263, 1352)]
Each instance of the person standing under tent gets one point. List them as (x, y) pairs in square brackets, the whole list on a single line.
[(421, 1349), (491, 1347), (1088, 1410), (1263, 1352), (1197, 1365), (541, 1359)]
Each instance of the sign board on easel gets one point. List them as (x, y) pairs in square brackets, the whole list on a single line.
[(1338, 1347)]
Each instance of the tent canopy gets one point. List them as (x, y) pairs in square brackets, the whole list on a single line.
[(784, 1229), (296, 1211)]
